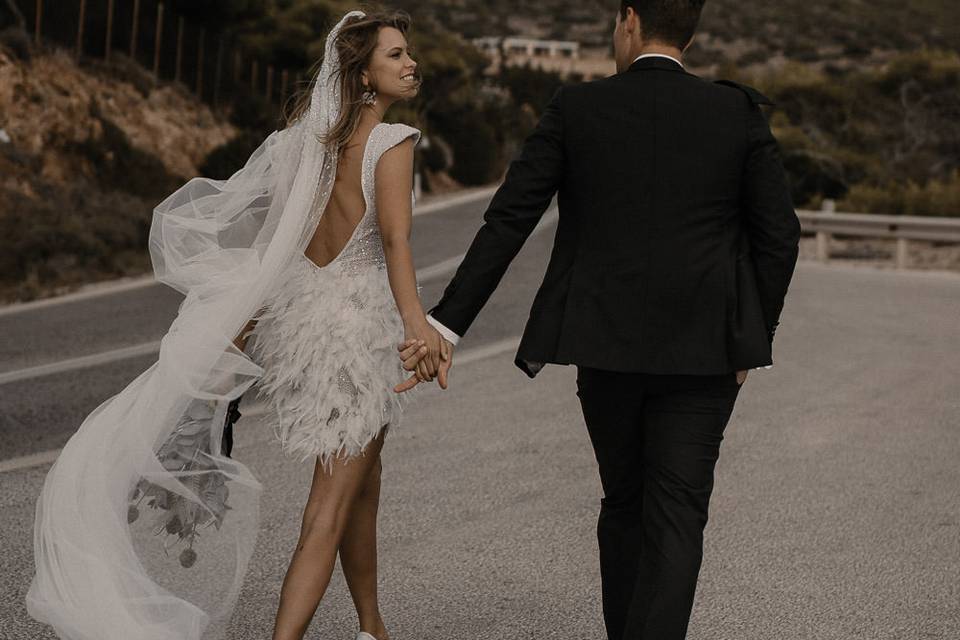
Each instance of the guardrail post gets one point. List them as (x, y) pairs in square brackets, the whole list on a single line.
[(903, 257), (823, 238)]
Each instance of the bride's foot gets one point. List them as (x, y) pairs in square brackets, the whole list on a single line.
[(374, 632)]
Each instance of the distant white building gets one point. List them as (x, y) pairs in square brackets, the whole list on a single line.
[(562, 56), (529, 47)]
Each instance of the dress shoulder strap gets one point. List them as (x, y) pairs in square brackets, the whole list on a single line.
[(387, 136), (383, 137)]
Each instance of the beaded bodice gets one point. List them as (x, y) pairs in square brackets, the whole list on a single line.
[(364, 249)]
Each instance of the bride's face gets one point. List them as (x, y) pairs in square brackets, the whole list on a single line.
[(391, 69)]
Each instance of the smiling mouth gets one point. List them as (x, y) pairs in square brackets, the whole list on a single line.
[(409, 76)]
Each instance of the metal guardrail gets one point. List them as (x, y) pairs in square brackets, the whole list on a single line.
[(827, 223)]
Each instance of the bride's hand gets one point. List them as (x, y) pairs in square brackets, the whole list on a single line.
[(429, 363)]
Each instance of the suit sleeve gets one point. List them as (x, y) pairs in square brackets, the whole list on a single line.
[(516, 208), (771, 223)]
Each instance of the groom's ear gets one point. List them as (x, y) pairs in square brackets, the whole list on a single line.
[(630, 20)]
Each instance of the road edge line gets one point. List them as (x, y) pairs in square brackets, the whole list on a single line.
[(470, 356), (108, 287)]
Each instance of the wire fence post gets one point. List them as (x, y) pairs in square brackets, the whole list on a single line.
[(176, 74), (83, 10), (39, 21), (253, 75), (158, 34), (133, 31), (269, 91), (203, 33), (284, 80), (217, 74), (109, 36)]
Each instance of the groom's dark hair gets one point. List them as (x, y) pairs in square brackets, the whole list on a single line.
[(669, 21)]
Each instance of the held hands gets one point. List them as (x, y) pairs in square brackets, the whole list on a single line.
[(741, 376), (414, 354)]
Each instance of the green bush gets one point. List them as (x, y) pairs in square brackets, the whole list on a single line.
[(438, 156), (253, 112), (123, 68), (70, 234), (121, 166), (16, 42), (874, 132), (475, 151), (528, 85), (936, 198), (225, 160)]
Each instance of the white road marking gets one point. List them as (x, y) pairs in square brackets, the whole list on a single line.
[(90, 291), (455, 201), (82, 362), (459, 360), (440, 269), (427, 274), (131, 284), (32, 460), (449, 266)]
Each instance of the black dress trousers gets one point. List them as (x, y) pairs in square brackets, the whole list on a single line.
[(657, 440)]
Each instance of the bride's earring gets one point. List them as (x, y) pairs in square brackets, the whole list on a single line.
[(369, 96)]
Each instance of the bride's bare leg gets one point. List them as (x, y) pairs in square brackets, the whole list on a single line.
[(332, 496), (358, 555)]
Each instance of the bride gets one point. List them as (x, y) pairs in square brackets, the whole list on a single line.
[(305, 252)]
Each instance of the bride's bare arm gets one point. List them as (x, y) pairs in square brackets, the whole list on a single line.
[(394, 183)]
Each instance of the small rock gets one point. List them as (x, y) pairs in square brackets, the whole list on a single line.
[(4, 137)]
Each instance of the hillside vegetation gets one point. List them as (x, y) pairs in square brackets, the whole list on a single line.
[(88, 158), (730, 30), (867, 93)]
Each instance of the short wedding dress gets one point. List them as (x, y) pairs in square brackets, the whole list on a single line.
[(327, 339)]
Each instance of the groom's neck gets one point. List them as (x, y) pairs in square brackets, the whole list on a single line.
[(658, 47)]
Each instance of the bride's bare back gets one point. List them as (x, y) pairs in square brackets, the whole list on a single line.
[(345, 207)]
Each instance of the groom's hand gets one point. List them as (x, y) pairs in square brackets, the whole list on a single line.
[(446, 361), (412, 352)]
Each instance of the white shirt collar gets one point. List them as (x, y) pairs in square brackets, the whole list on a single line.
[(658, 55)]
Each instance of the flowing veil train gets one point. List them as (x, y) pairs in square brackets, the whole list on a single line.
[(144, 529)]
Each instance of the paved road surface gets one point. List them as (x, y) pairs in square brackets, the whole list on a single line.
[(836, 513)]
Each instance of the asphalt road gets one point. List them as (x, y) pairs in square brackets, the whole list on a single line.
[(836, 513)]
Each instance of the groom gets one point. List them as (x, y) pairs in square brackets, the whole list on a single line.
[(676, 243)]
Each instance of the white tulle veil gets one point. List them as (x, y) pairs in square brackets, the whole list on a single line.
[(144, 529)]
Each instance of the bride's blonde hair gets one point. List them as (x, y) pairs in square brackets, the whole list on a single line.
[(355, 44)]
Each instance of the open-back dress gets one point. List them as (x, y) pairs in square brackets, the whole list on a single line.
[(327, 339)]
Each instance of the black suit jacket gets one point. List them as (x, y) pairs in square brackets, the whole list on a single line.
[(676, 239)]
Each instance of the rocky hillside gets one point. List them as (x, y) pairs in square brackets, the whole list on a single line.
[(731, 31), (85, 154)]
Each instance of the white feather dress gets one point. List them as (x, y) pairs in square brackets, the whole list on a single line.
[(327, 340)]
